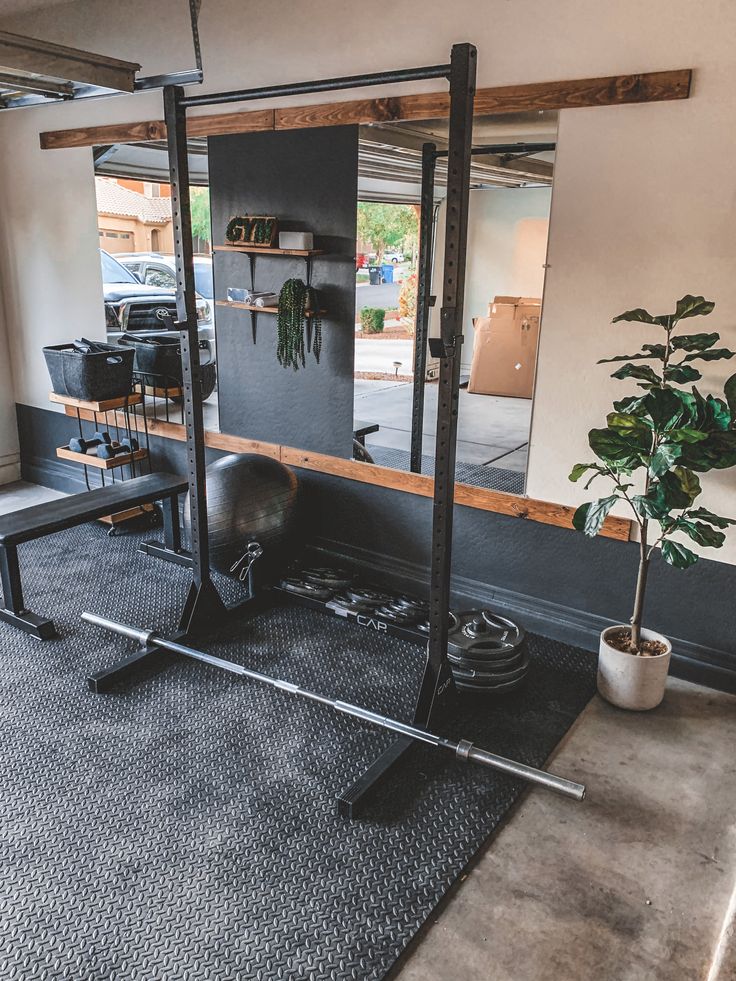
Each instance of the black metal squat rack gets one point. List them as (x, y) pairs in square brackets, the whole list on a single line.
[(204, 605)]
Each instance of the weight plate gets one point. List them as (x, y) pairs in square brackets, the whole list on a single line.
[(370, 597), (394, 616), (407, 603), (302, 588), (344, 605), (484, 680), (329, 577), (502, 689), (482, 634), (494, 666)]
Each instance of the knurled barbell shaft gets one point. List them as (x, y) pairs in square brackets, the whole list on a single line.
[(463, 750)]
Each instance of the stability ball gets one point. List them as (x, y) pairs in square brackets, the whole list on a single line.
[(250, 498)]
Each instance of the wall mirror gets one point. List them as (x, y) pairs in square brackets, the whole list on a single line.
[(357, 191), (511, 186)]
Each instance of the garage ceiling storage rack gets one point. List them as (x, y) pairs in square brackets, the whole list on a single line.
[(35, 72), (436, 697)]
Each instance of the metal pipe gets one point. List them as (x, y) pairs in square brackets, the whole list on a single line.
[(463, 750), (320, 85)]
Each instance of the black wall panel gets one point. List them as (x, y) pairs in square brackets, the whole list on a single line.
[(309, 180)]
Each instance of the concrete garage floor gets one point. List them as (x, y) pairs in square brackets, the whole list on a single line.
[(491, 429), (637, 883)]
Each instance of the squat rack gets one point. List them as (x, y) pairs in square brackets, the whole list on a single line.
[(204, 604)]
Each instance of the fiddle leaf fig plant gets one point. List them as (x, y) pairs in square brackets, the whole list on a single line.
[(655, 444)]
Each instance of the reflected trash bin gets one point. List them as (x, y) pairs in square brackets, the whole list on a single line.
[(374, 275), (387, 272)]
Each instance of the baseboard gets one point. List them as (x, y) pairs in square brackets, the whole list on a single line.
[(702, 665), (66, 477), (9, 469)]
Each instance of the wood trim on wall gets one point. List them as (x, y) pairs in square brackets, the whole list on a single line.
[(578, 93), (366, 473)]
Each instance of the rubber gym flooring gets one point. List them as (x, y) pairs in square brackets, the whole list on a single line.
[(185, 828)]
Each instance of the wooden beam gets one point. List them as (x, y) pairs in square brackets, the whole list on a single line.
[(573, 94), (150, 131), (578, 93), (465, 495), (231, 122), (154, 130), (480, 498)]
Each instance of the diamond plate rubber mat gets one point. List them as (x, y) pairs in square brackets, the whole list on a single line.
[(185, 829)]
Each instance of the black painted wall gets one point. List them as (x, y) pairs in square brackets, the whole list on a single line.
[(555, 581), (309, 180)]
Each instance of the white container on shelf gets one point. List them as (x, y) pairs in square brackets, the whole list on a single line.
[(296, 240)]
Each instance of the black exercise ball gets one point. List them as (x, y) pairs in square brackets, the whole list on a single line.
[(250, 498)]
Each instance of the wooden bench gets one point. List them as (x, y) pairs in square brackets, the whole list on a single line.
[(40, 520)]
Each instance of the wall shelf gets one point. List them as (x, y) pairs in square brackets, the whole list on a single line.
[(105, 406), (268, 250), (91, 459), (255, 309)]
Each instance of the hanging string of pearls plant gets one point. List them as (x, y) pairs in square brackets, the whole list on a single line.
[(298, 305)]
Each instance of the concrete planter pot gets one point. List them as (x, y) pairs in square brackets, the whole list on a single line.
[(630, 681)]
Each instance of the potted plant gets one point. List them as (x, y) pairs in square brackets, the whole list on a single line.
[(652, 449)]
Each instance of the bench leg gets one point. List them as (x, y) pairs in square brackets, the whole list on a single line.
[(170, 550), (13, 610)]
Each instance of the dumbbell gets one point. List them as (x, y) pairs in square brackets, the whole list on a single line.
[(81, 445), (107, 451)]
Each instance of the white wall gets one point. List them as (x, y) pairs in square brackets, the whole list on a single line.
[(507, 246), (9, 453), (644, 206)]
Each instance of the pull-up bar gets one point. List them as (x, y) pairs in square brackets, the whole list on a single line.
[(321, 85)]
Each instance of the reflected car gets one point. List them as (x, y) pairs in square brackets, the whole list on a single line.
[(131, 306), (157, 269)]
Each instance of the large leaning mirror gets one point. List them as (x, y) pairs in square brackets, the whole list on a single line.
[(511, 186), (363, 207)]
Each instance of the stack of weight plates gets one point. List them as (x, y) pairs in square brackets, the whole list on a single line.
[(488, 653)]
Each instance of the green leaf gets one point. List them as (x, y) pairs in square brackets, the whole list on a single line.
[(703, 514), (642, 371), (624, 422), (688, 481), (716, 354), (729, 390), (677, 555), (681, 373), (633, 404), (651, 505), (579, 469), (718, 452), (635, 316), (701, 534), (694, 342), (625, 357), (665, 408), (656, 350), (589, 518), (619, 450), (693, 306), (686, 435), (664, 457)]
